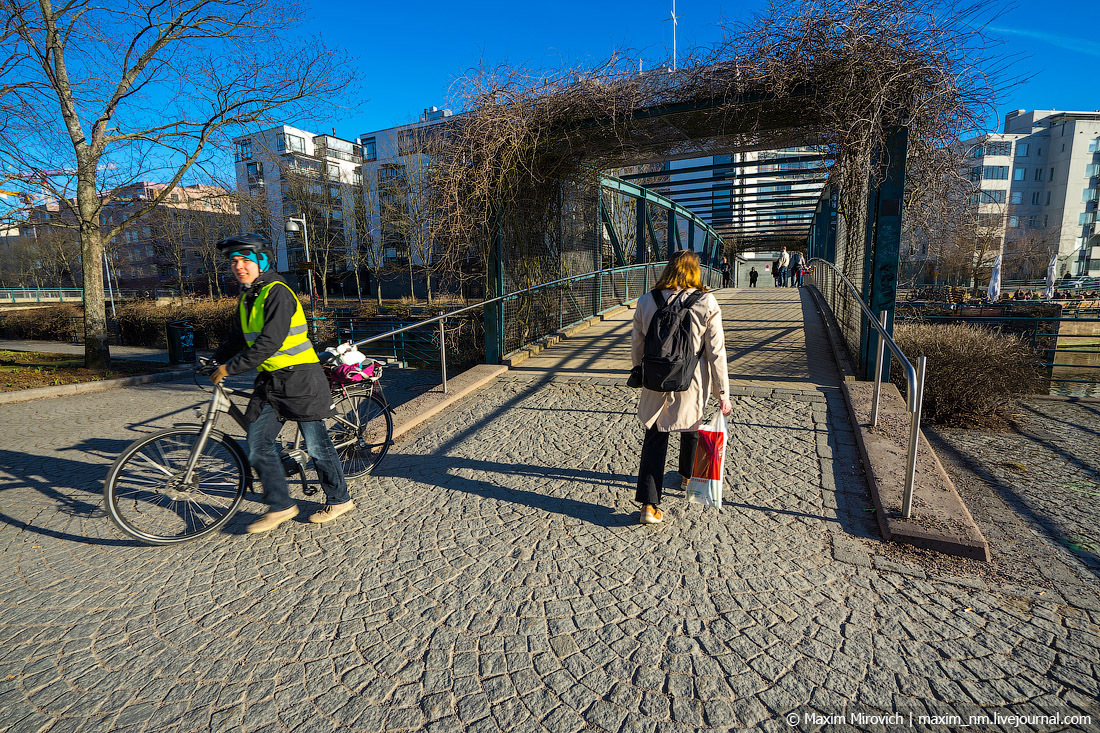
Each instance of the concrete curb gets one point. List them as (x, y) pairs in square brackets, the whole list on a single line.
[(940, 521), (520, 355), (65, 390), (833, 336)]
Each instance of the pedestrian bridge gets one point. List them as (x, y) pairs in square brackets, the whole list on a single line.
[(494, 575)]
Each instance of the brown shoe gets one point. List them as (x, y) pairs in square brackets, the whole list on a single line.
[(331, 511), (684, 483), (271, 520), (651, 515)]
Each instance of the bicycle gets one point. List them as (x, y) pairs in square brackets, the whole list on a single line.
[(186, 482)]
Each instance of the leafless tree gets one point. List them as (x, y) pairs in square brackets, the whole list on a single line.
[(365, 251), (94, 96), (321, 201)]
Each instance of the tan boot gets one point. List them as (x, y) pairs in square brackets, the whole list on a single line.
[(651, 515), (331, 511), (271, 520)]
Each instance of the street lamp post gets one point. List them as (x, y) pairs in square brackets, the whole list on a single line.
[(299, 225)]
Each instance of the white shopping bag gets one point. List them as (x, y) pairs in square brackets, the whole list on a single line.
[(705, 486)]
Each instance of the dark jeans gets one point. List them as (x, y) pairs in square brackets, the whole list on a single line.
[(752, 282), (783, 276), (652, 472), (796, 277), (264, 457)]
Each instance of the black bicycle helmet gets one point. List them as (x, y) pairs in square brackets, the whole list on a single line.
[(253, 246)]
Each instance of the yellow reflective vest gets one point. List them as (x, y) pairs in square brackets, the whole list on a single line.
[(296, 347)]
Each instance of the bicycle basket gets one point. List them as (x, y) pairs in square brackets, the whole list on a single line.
[(352, 373)]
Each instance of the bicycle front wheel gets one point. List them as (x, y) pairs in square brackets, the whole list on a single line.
[(362, 431), (147, 498)]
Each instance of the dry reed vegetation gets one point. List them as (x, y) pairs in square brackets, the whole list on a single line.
[(975, 376), (50, 323), (141, 323), (840, 75)]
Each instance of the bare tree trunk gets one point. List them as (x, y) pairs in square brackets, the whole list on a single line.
[(358, 286), (412, 279), (378, 285), (97, 353)]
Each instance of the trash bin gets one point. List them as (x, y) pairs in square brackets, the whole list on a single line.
[(181, 342)]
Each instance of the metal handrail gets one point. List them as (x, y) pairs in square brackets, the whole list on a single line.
[(497, 299), (913, 376)]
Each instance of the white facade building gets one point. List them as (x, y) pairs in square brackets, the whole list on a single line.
[(395, 173), (1038, 184), (326, 167)]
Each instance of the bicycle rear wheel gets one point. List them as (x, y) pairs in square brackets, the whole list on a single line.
[(145, 495), (362, 431)]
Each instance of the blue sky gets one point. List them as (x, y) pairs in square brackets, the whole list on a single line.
[(409, 54)]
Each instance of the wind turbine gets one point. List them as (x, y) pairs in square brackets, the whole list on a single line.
[(674, 20)]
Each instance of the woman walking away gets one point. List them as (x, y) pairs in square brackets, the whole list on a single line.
[(663, 412)]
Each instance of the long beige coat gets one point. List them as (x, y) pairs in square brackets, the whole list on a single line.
[(683, 411)]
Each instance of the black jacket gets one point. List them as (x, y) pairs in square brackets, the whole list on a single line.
[(299, 392)]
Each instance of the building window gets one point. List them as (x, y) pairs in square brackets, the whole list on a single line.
[(291, 143), (370, 149), (995, 172), (1017, 197), (255, 170), (1020, 174), (1090, 194), (1094, 145), (994, 197), (975, 174), (243, 149), (1033, 221), (1035, 198), (1038, 174), (1021, 150), (1087, 218), (1014, 221), (1092, 169), (1048, 198), (1051, 174), (977, 151), (999, 147)]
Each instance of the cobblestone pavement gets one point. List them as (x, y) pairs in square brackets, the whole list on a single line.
[(494, 577), (1048, 473)]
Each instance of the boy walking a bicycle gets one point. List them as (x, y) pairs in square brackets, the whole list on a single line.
[(271, 336)]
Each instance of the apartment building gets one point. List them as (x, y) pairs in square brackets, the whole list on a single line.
[(1036, 190), (285, 172), (170, 246), (395, 167)]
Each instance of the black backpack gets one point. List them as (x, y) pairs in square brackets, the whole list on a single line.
[(669, 361)]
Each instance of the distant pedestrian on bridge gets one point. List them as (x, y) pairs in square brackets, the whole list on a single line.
[(678, 412), (784, 264), (725, 273), (753, 276), (797, 262)]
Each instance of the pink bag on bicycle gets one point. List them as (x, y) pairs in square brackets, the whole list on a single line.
[(351, 373)]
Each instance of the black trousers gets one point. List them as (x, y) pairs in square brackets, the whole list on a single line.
[(654, 452)]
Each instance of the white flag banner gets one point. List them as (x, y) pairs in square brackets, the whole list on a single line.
[(1052, 269), (994, 290)]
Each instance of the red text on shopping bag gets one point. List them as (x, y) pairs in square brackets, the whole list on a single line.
[(709, 454)]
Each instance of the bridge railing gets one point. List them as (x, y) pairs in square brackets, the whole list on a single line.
[(579, 296), (827, 279)]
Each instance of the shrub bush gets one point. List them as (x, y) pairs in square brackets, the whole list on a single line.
[(974, 376), (52, 323), (142, 323)]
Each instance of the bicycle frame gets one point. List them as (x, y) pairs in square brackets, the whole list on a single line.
[(220, 402)]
